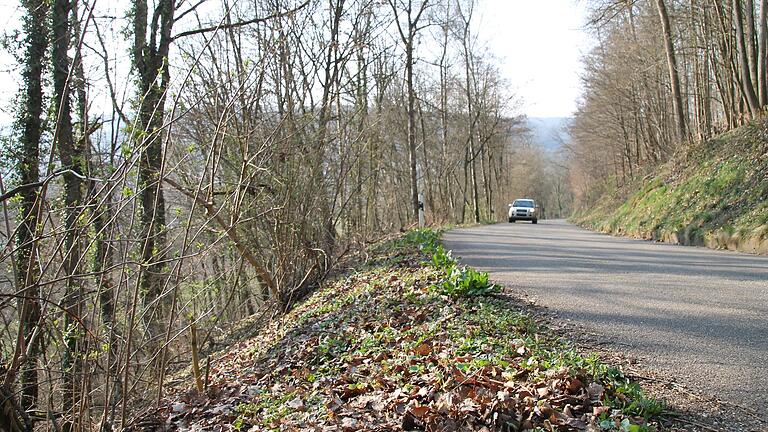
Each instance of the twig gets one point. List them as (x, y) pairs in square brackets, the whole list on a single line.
[(239, 24), (207, 372)]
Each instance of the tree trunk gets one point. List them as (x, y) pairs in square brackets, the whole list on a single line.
[(412, 124), (151, 61), (72, 159), (408, 37), (762, 58), (750, 36), (744, 68), (469, 77), (446, 183), (429, 198), (674, 78), (30, 124)]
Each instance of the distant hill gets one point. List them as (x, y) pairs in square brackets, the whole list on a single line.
[(549, 132)]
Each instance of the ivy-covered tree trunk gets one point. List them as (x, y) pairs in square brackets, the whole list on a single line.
[(72, 159), (30, 128)]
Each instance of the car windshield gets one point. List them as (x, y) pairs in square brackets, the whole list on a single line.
[(523, 203)]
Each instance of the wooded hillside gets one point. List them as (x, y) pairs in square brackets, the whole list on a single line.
[(177, 166), (664, 74)]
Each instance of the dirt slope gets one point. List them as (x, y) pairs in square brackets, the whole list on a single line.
[(411, 341)]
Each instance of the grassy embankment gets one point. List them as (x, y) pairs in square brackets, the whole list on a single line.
[(409, 341), (714, 195)]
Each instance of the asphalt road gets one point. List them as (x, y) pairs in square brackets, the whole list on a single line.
[(699, 315)]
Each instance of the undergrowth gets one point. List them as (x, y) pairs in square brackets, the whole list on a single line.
[(715, 194), (412, 341), (458, 280)]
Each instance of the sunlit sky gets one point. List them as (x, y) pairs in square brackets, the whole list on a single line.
[(540, 43)]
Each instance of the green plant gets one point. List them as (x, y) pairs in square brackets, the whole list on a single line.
[(629, 397), (426, 239), (466, 282), (625, 425), (442, 260)]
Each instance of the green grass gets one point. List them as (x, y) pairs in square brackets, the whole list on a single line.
[(714, 195)]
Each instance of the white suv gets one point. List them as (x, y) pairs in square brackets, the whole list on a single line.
[(523, 209)]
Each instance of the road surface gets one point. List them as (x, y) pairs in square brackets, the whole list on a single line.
[(697, 314)]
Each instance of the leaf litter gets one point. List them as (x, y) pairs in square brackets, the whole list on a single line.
[(382, 349)]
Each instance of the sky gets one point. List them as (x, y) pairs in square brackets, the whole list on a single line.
[(539, 44)]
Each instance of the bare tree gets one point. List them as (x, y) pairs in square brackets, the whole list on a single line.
[(231, 191), (674, 75), (744, 44), (408, 31)]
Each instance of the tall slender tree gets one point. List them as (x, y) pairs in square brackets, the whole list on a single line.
[(73, 161), (408, 31), (469, 90), (30, 128), (674, 73), (762, 55), (745, 69), (150, 51)]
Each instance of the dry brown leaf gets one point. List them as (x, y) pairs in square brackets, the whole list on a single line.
[(419, 411), (423, 349), (574, 386)]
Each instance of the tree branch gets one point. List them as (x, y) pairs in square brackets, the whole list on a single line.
[(239, 24), (191, 9), (21, 188), (231, 232)]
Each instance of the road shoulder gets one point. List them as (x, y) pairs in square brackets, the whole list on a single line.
[(690, 410)]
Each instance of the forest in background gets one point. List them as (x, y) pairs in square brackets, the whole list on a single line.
[(177, 166), (663, 75)]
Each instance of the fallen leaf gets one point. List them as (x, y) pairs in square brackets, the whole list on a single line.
[(542, 392), (349, 424), (595, 390), (419, 411), (574, 386), (296, 404), (423, 349)]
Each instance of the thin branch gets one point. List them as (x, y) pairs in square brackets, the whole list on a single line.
[(239, 24), (190, 10), (25, 187)]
